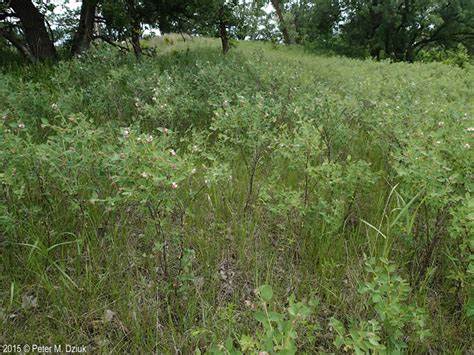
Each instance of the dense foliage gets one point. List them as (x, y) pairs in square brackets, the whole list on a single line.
[(399, 30), (148, 206)]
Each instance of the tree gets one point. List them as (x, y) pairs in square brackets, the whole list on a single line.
[(37, 44), (125, 18), (85, 31), (277, 5), (214, 18), (399, 29), (316, 20), (250, 18), (134, 26)]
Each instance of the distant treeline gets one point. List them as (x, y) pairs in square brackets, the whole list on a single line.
[(400, 30)]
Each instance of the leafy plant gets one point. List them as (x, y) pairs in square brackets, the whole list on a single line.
[(279, 331), (388, 297)]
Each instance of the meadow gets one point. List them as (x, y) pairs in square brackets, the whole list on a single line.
[(268, 201)]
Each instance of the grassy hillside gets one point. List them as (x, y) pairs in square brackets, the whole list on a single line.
[(270, 200)]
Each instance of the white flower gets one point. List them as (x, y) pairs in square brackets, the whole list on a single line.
[(126, 132), (54, 106), (139, 139), (109, 315), (467, 146), (470, 129), (144, 175), (154, 98), (172, 152), (441, 123), (21, 125), (206, 181), (149, 138), (165, 130), (193, 171), (438, 142), (174, 185)]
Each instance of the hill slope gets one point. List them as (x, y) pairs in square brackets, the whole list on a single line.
[(177, 203)]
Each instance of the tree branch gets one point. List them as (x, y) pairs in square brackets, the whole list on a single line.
[(112, 43), (17, 43)]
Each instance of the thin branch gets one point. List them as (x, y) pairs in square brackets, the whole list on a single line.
[(112, 43)]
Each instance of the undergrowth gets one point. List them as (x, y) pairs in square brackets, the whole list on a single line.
[(269, 200)]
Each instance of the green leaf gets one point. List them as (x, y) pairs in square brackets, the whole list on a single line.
[(339, 341), (247, 343), (229, 344), (266, 292), (376, 298), (260, 316), (275, 317)]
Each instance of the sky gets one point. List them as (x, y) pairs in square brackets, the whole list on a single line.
[(63, 4)]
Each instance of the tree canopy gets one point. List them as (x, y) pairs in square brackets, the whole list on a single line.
[(396, 29)]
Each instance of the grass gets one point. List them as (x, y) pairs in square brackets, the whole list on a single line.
[(292, 170)]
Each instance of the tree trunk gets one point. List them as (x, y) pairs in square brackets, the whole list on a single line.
[(375, 52), (224, 36), (85, 31), (135, 28), (281, 19), (39, 43), (137, 49)]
